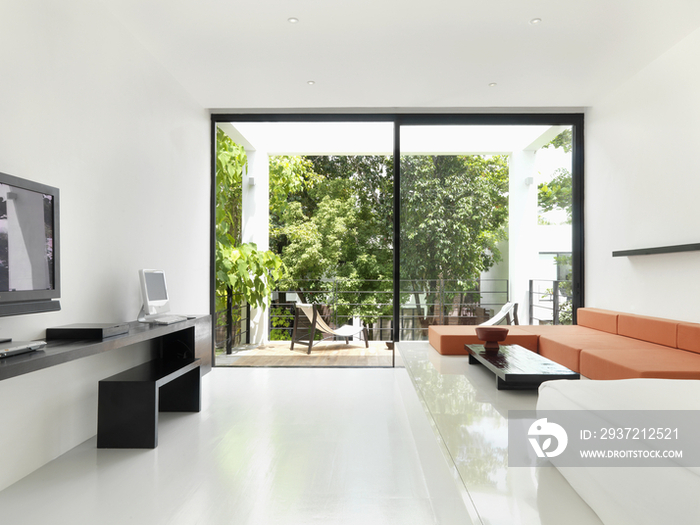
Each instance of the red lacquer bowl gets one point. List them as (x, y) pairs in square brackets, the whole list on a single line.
[(491, 335)]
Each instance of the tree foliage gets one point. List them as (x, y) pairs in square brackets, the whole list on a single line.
[(563, 140), (289, 177), (231, 160), (454, 212), (340, 228), (556, 194), (334, 234), (248, 272), (241, 269)]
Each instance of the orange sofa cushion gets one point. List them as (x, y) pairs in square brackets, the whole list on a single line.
[(689, 337), (651, 329), (450, 340), (623, 363), (556, 329), (603, 320), (565, 348)]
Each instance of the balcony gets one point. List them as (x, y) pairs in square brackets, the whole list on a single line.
[(550, 302), (353, 301)]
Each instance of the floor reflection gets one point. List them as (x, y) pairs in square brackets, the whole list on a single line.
[(471, 417)]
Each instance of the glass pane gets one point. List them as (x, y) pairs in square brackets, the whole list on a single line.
[(319, 197), (472, 232)]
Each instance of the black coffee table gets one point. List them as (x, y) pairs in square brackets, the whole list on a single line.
[(518, 368)]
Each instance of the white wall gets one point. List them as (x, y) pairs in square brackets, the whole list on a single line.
[(643, 188), (83, 107)]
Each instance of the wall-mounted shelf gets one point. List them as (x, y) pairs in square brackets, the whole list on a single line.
[(659, 250)]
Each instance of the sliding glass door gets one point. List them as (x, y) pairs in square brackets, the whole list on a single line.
[(485, 219), (399, 222), (316, 199)]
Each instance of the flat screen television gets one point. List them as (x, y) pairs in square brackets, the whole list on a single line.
[(29, 247)]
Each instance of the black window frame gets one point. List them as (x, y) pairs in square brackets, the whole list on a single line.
[(575, 120)]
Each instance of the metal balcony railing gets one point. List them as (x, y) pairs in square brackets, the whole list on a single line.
[(423, 303), (550, 301), (232, 328)]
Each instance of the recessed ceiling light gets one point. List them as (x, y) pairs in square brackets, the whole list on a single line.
[(311, 82), (493, 84), (292, 20), (535, 21)]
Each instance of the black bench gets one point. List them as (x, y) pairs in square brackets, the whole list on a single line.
[(129, 402)]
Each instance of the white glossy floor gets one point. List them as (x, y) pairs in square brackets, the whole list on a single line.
[(271, 446), (421, 445), (470, 418)]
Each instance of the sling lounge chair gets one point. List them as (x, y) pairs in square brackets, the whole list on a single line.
[(509, 312), (306, 334)]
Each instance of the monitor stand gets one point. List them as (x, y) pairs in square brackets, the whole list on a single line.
[(142, 316)]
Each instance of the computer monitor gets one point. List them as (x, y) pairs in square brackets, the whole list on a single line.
[(154, 293)]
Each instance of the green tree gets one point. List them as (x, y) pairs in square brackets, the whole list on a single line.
[(365, 259), (556, 194), (243, 273), (335, 237), (454, 213), (291, 177), (247, 272), (563, 140), (340, 228), (231, 160)]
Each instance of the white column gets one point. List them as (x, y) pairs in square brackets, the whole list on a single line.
[(522, 232), (493, 282), (256, 220)]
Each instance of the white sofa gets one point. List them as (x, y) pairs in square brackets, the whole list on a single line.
[(631, 495)]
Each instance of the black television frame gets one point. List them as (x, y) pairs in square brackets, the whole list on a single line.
[(18, 302)]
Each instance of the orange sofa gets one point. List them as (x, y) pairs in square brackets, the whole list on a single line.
[(604, 345)]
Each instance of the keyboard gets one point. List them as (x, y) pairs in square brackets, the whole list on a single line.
[(167, 319), (20, 347)]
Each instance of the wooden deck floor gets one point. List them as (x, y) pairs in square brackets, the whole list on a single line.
[(326, 354)]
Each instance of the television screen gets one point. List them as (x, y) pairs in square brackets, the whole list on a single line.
[(26, 239), (29, 269)]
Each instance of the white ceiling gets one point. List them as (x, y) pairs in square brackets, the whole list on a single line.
[(233, 54)]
